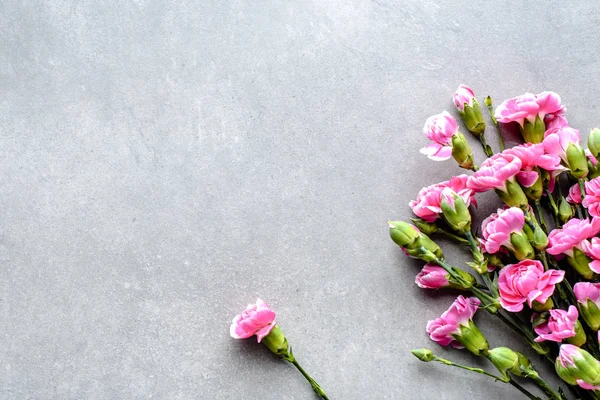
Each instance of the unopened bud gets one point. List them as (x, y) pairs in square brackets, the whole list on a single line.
[(428, 228), (540, 239), (521, 247), (565, 210), (461, 151), (425, 355), (455, 211), (577, 161), (594, 142), (578, 367)]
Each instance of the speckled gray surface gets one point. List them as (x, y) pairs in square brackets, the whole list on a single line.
[(166, 162)]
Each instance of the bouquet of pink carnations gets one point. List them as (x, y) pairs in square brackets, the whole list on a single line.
[(536, 261)]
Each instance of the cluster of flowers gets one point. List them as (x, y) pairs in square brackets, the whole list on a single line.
[(538, 281)]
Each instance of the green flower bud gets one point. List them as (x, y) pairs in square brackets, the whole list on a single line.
[(540, 239), (590, 313), (471, 337), (505, 360), (488, 101), (428, 228), (461, 151), (565, 210), (514, 195), (425, 355), (521, 247), (533, 132), (579, 338), (278, 344), (455, 211), (594, 142), (526, 369), (581, 263), (472, 117), (432, 250), (578, 162), (574, 364), (403, 234), (413, 242)]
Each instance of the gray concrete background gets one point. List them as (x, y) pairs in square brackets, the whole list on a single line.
[(164, 163)]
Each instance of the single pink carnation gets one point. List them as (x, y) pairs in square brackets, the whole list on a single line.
[(257, 319), (592, 197), (560, 325), (494, 172), (549, 105), (439, 129), (592, 249), (518, 109), (526, 281), (531, 156), (574, 195), (463, 95), (566, 358), (496, 228), (427, 205), (557, 140), (571, 235), (432, 277), (442, 329)]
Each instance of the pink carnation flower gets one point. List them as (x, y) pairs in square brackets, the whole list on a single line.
[(518, 109), (427, 205), (531, 156), (554, 121), (560, 325), (592, 249), (496, 228), (592, 197), (549, 106), (460, 313), (587, 290), (574, 195), (439, 129), (557, 140), (432, 277), (463, 94), (257, 319), (494, 172), (566, 358), (571, 235), (526, 281)]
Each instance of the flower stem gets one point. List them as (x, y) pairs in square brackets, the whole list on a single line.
[(540, 211), (554, 208), (523, 390), (486, 148), (476, 370), (547, 388), (490, 108), (310, 380), (582, 190), (453, 236)]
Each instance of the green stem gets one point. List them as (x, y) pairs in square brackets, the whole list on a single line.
[(582, 190), (490, 108), (554, 208), (486, 148), (486, 299), (540, 211), (310, 380), (476, 370), (453, 236), (547, 389)]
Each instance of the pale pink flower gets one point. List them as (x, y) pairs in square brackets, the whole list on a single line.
[(592, 249), (432, 277), (496, 228), (574, 195), (571, 235), (587, 290), (463, 94), (257, 319), (557, 140), (442, 329), (526, 281), (549, 104), (592, 197), (427, 205), (560, 325), (439, 129), (531, 156), (518, 109), (554, 121), (494, 172), (567, 355)]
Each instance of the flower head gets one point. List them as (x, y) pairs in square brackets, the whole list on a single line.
[(592, 197), (577, 367), (257, 319), (439, 129), (498, 227), (518, 109), (495, 172), (463, 95), (446, 329), (588, 299), (571, 235), (432, 277), (428, 203), (574, 195), (557, 141), (560, 325), (531, 156)]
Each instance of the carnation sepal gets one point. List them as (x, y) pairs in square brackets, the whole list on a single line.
[(581, 263), (533, 132), (580, 337), (577, 160), (513, 196), (590, 313), (461, 151), (471, 337), (473, 118)]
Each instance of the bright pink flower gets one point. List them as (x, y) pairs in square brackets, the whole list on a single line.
[(257, 319), (560, 325), (496, 228), (526, 281), (463, 94), (572, 234), (549, 104), (432, 277), (494, 172), (439, 129), (518, 109), (566, 358), (460, 313), (587, 290), (427, 204), (533, 155), (592, 197), (557, 140), (592, 249), (574, 195)]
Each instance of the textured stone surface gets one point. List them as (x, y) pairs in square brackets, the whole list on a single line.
[(166, 162)]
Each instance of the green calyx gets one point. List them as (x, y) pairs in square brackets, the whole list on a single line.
[(581, 263), (522, 249), (513, 195), (593, 142), (533, 132), (578, 162), (473, 118), (461, 151), (590, 313), (278, 344), (471, 337), (580, 338), (457, 215), (565, 210)]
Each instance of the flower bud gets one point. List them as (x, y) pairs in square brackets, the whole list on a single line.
[(425, 355), (413, 242), (578, 162), (461, 151), (514, 195), (581, 263), (428, 228), (521, 247), (540, 239), (468, 280), (594, 142), (472, 117), (403, 234), (455, 210), (278, 344), (471, 337), (590, 313), (577, 367), (488, 101), (533, 132), (565, 210), (505, 360)]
